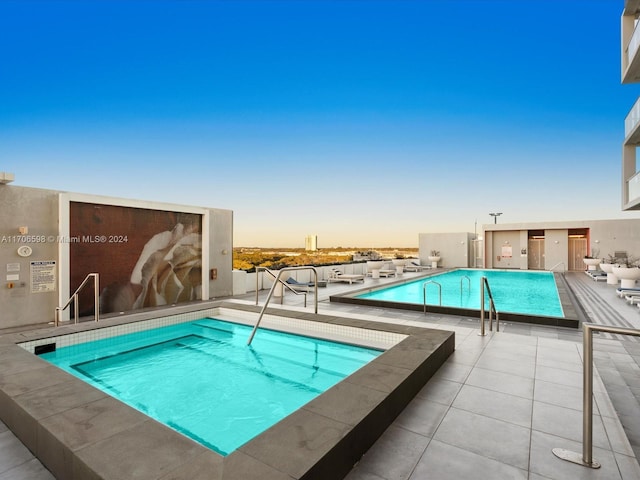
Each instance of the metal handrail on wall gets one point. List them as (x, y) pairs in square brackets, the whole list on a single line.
[(285, 284), (586, 459), (74, 297), (492, 307), (273, 287)]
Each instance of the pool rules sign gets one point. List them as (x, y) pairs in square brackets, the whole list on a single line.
[(43, 276)]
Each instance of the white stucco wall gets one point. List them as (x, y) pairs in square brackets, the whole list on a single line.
[(604, 236), (42, 211), (455, 248)]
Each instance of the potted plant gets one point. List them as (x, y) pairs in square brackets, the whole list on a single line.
[(399, 262), (434, 258), (627, 271), (592, 261), (374, 267), (606, 265)]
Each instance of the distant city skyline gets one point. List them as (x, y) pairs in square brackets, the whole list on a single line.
[(367, 122)]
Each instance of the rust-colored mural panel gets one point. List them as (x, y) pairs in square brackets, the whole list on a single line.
[(145, 258)]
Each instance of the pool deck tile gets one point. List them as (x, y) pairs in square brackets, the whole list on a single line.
[(298, 441), (60, 435), (75, 429), (347, 403), (146, 450), (449, 430)]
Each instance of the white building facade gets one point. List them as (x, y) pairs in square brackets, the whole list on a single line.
[(630, 59)]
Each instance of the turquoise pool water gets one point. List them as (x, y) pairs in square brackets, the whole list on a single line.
[(524, 292), (201, 379)]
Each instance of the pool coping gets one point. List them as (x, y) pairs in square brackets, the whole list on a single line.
[(80, 432), (570, 309)]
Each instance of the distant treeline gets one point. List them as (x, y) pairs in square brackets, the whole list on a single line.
[(249, 258)]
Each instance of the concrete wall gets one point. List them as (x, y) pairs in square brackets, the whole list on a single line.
[(455, 248), (605, 237), (45, 216), (221, 252), (38, 211)]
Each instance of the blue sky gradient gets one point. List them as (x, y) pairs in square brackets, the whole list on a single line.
[(364, 122)]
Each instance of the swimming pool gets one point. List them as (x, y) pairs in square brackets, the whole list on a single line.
[(520, 292), (201, 379), (83, 432)]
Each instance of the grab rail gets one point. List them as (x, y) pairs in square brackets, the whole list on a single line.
[(424, 294), (557, 265), (289, 287), (587, 395), (273, 287), (468, 283), (492, 307), (74, 297)]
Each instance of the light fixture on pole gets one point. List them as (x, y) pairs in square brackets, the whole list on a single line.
[(495, 216)]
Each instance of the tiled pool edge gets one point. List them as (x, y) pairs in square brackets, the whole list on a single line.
[(79, 432)]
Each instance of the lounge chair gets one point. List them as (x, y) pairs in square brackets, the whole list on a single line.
[(632, 299), (338, 276), (626, 291), (304, 286), (385, 272), (596, 275), (376, 269), (414, 266)]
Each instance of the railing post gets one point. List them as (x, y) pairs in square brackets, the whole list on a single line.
[(587, 396), (257, 275), (76, 306), (96, 295), (587, 406), (482, 307)]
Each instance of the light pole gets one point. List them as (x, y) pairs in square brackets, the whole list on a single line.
[(495, 216)]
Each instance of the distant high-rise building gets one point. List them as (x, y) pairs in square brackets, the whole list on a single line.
[(311, 243)]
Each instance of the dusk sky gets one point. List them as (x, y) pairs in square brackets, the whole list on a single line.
[(363, 122)]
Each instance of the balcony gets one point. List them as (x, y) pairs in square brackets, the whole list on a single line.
[(633, 193), (631, 74), (630, 42), (631, 123)]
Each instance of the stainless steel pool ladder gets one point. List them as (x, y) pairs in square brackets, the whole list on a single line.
[(586, 459), (424, 291), (273, 287), (424, 294), (74, 297), (468, 286), (484, 283), (557, 265)]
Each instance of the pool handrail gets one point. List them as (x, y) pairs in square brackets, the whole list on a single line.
[(74, 297), (273, 287), (492, 307), (468, 283), (424, 294), (557, 265), (587, 395), (284, 283)]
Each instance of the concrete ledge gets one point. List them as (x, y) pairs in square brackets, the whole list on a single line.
[(78, 432)]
